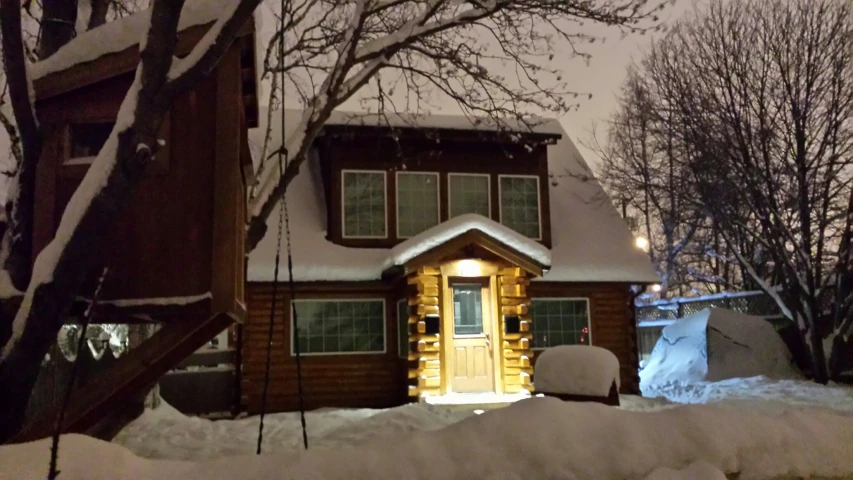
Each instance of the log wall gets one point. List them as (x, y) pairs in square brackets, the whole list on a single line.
[(514, 301), (360, 380), (612, 325), (424, 346)]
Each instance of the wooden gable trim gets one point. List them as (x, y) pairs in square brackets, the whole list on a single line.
[(116, 63), (470, 237)]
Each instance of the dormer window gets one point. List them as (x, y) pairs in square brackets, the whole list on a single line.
[(469, 193), (520, 205), (87, 139), (363, 198), (417, 202)]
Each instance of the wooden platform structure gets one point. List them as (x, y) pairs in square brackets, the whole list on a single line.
[(176, 255)]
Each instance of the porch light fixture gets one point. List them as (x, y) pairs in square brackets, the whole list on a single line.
[(656, 287), (469, 268)]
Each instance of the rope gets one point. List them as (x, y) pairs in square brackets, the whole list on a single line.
[(283, 221), (60, 418), (264, 395)]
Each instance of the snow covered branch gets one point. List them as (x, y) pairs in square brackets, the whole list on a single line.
[(424, 50)]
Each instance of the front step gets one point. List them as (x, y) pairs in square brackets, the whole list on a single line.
[(140, 368)]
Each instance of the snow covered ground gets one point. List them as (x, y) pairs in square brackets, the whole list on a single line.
[(755, 427), (538, 438)]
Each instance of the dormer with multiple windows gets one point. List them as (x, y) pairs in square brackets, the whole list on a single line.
[(384, 186)]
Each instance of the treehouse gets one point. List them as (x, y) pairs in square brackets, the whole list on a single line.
[(176, 255), (433, 258)]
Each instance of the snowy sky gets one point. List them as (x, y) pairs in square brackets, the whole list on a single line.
[(601, 78)]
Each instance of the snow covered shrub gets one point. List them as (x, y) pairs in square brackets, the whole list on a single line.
[(577, 370)]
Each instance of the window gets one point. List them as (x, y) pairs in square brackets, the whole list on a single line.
[(417, 202), (363, 204), (560, 322), (467, 310), (519, 204), (403, 327), (340, 326), (469, 193), (87, 139)]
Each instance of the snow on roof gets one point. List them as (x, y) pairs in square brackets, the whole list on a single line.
[(446, 231), (590, 241), (121, 34)]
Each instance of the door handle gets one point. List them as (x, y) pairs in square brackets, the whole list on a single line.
[(488, 341)]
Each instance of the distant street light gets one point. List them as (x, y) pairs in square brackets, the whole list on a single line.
[(642, 243), (656, 288)]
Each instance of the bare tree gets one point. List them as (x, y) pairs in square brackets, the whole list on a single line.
[(415, 50), (643, 167), (763, 95), (61, 267)]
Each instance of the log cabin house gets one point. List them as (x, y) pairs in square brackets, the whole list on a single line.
[(176, 255), (432, 259)]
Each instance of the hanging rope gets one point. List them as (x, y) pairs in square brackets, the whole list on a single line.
[(283, 221), (60, 418)]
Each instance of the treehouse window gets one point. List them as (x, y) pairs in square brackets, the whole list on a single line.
[(560, 321), (519, 204), (330, 327), (469, 193), (403, 327), (363, 198), (417, 203), (87, 139)]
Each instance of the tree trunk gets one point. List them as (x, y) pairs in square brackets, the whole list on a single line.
[(98, 16), (835, 358), (58, 25)]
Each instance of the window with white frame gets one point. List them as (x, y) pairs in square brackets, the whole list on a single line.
[(340, 326), (560, 321), (417, 202), (519, 204), (468, 193), (363, 201), (403, 328)]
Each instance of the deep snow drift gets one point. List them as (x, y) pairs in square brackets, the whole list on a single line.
[(712, 345), (538, 438)]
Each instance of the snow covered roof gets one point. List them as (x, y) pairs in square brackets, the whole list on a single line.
[(407, 250), (590, 241), (121, 34)]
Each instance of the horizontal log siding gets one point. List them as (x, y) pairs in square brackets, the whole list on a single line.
[(612, 324), (366, 380)]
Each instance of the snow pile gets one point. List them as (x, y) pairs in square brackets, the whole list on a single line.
[(605, 443), (576, 370), (166, 433), (716, 344), (756, 393)]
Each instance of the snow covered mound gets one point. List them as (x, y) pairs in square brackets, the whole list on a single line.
[(576, 370), (561, 440), (716, 344)]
